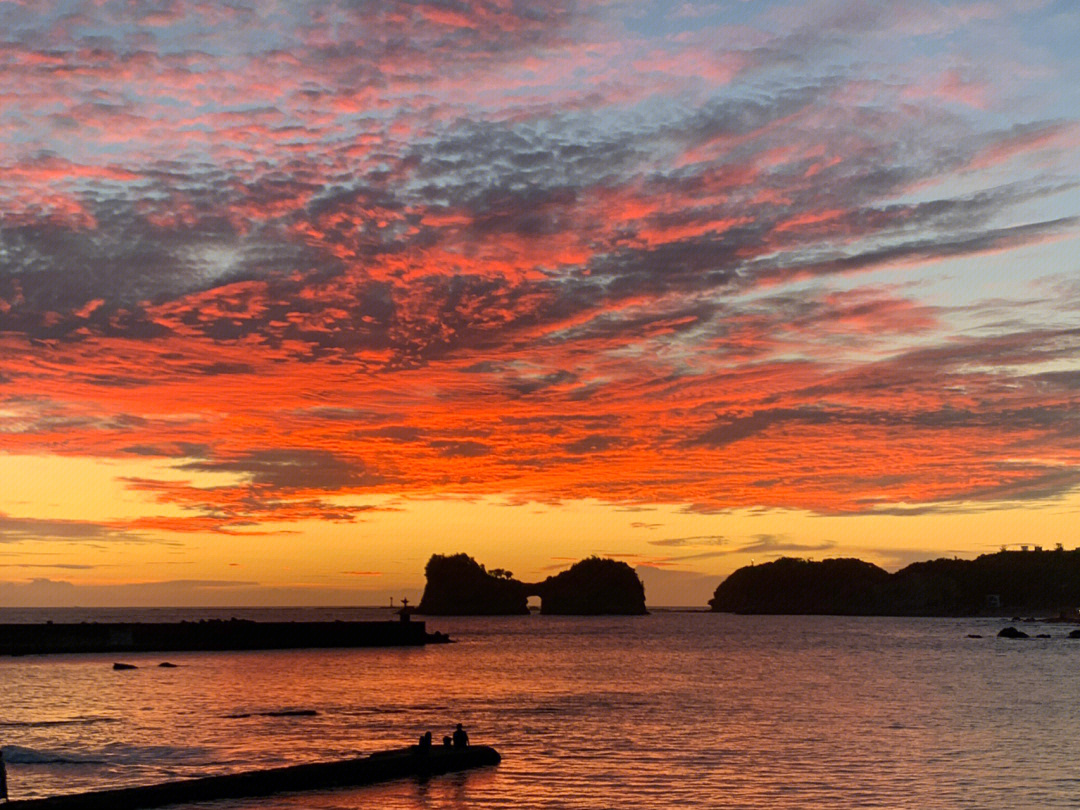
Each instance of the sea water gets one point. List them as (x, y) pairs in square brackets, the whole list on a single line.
[(670, 710)]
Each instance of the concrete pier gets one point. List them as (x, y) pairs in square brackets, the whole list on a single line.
[(380, 767), (215, 634)]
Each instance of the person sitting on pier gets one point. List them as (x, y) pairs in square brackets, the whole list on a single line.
[(446, 741), (461, 737), (425, 743)]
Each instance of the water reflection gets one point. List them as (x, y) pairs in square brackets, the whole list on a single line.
[(660, 711)]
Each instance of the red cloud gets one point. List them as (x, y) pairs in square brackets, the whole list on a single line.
[(412, 248)]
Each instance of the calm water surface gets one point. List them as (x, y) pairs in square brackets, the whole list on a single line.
[(662, 711)]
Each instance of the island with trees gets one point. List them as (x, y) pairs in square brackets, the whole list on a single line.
[(458, 585), (592, 587), (1008, 582)]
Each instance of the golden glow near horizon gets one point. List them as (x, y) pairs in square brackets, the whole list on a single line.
[(682, 554), (292, 297)]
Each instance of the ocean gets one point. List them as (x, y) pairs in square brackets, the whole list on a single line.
[(671, 710)]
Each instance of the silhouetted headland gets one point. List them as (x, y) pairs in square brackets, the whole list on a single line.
[(1007, 582), (457, 585), (214, 634), (379, 767)]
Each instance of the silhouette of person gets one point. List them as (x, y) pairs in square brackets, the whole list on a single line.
[(461, 737), (446, 741), (425, 742)]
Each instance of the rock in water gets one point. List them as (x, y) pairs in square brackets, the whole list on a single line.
[(460, 586), (1012, 632), (124, 666), (1074, 634), (291, 713), (593, 587), (167, 665)]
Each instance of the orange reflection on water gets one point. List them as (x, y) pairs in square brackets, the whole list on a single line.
[(660, 711)]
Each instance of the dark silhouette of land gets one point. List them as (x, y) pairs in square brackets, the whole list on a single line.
[(592, 587), (1008, 582), (379, 767), (215, 634), (457, 585)]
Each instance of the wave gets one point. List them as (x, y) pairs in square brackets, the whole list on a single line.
[(273, 713), (71, 721), (111, 754), (43, 756), (124, 754)]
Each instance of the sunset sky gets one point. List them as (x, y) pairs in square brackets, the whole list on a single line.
[(294, 294)]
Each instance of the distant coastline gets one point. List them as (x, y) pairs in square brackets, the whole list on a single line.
[(1002, 584)]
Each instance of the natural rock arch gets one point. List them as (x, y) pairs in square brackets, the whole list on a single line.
[(458, 585), (591, 587)]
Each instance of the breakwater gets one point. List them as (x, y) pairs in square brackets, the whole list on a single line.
[(379, 767), (233, 634)]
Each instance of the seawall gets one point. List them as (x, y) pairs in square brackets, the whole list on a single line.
[(234, 634), (380, 767)]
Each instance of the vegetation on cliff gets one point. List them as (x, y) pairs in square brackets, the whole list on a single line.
[(457, 585), (593, 586), (1007, 582)]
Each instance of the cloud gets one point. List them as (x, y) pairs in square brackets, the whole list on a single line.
[(593, 443), (717, 546), (238, 510), (732, 430), (525, 250), (62, 566), (693, 542), (455, 449), (50, 593), (44, 592), (778, 544), (22, 529), (293, 469)]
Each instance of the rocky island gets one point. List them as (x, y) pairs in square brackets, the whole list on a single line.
[(458, 585), (592, 587), (1008, 582)]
